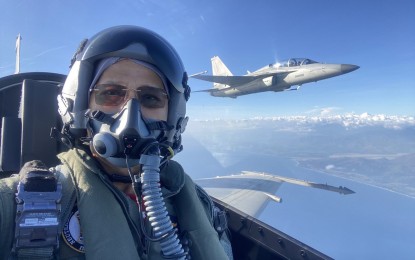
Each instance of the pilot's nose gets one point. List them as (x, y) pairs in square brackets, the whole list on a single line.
[(346, 68)]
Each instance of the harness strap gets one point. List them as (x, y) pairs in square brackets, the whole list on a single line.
[(39, 253)]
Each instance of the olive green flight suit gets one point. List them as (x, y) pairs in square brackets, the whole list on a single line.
[(109, 219)]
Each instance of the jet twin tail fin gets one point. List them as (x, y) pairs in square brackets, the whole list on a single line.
[(219, 69)]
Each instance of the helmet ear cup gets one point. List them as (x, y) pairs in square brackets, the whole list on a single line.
[(104, 144)]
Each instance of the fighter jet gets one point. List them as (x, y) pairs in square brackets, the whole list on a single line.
[(280, 76)]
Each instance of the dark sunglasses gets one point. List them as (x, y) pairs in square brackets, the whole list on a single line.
[(115, 95)]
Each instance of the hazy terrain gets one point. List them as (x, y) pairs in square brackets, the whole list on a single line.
[(376, 150)]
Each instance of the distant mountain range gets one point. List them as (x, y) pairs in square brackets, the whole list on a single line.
[(374, 149), (347, 120)]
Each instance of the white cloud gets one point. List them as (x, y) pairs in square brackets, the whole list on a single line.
[(330, 167), (323, 111)]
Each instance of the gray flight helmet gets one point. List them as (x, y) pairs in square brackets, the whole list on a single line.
[(124, 41)]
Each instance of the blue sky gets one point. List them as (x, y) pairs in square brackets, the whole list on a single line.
[(378, 36)]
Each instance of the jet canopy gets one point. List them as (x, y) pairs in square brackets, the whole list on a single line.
[(292, 62)]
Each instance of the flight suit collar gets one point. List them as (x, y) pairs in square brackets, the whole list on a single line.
[(171, 174)]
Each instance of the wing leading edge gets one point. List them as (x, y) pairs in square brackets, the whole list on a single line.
[(226, 80), (236, 81), (251, 192)]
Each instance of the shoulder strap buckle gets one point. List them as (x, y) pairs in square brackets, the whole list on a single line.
[(38, 210), (220, 221)]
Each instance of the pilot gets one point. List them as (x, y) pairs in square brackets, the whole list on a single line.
[(123, 109)]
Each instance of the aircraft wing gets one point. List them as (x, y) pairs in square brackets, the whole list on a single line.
[(235, 81), (251, 192), (211, 90), (226, 80), (246, 192)]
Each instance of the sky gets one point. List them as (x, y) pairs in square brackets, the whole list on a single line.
[(247, 35)]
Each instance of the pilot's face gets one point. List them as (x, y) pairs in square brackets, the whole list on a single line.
[(121, 82), (125, 80)]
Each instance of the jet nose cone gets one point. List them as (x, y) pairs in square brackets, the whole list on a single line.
[(346, 68)]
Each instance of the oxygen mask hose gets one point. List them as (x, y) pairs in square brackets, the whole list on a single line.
[(155, 206)]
